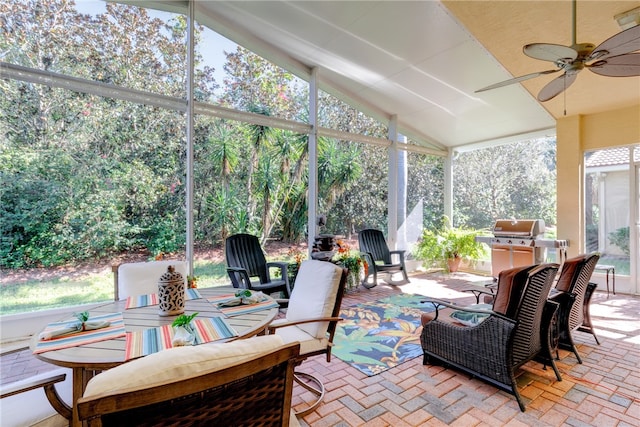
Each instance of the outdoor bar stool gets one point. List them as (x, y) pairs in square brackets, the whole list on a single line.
[(607, 269)]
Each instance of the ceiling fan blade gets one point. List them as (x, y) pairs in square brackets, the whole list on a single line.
[(549, 52), (618, 66), (516, 80), (624, 42), (556, 86)]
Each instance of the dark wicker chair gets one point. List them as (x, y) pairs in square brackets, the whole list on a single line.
[(495, 348), (245, 260), (569, 292), (245, 393), (380, 258)]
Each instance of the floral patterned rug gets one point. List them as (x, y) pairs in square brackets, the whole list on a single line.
[(377, 336)]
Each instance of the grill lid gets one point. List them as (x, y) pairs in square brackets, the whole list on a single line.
[(532, 228)]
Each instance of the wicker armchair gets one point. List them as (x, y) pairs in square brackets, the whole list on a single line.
[(505, 340), (246, 260), (569, 292), (380, 258), (237, 390)]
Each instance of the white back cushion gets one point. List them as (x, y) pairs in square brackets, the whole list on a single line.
[(141, 278), (179, 363), (314, 295)]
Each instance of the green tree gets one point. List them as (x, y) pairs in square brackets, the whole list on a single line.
[(105, 175), (496, 183)]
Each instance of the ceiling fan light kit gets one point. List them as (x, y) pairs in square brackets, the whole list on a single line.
[(612, 58), (628, 19)]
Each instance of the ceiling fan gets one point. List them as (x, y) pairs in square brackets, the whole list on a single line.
[(613, 58)]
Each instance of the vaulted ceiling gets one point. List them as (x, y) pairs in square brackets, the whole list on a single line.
[(422, 61)]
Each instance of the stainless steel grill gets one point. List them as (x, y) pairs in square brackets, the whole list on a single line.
[(520, 242)]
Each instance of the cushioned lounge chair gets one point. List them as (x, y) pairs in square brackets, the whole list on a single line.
[(569, 292), (312, 317), (512, 333), (245, 382)]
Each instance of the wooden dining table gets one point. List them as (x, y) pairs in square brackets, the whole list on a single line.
[(90, 359)]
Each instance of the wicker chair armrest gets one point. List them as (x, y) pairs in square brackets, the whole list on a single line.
[(442, 303), (479, 292), (272, 328), (562, 297), (12, 389)]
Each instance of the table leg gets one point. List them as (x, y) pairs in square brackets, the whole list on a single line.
[(78, 389)]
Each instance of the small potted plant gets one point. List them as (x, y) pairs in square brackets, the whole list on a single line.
[(446, 247), (184, 334), (353, 261)]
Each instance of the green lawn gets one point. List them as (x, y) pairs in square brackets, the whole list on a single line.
[(60, 292)]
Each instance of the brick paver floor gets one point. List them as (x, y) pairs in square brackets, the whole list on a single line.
[(603, 391)]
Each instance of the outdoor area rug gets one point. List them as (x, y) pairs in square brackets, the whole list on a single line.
[(377, 336)]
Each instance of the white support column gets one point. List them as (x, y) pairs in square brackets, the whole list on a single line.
[(392, 188), (312, 203), (448, 186), (602, 220), (401, 215), (189, 134), (634, 222)]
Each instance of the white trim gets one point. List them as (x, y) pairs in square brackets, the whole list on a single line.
[(190, 136), (23, 325), (489, 143), (312, 197)]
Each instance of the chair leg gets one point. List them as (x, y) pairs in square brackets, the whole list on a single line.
[(586, 323), (312, 384), (568, 344), (366, 282)]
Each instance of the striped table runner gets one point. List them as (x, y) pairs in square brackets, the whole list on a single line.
[(152, 299), (75, 339), (242, 308), (143, 343)]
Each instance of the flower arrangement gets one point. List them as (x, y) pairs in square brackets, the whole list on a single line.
[(352, 260), (192, 281), (292, 269)]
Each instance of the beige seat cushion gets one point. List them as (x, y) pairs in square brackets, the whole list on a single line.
[(308, 343), (179, 363)]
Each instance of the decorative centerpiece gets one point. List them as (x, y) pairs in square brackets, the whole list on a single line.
[(171, 293)]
